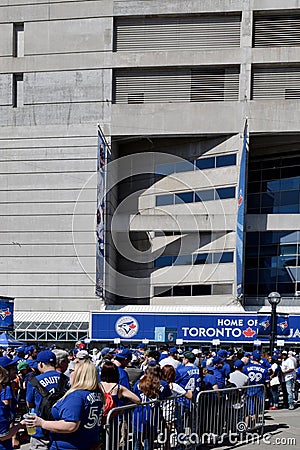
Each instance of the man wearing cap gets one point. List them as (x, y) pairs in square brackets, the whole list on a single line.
[(238, 378), (288, 373), (187, 374), (171, 360), (48, 378), (258, 374), (121, 360)]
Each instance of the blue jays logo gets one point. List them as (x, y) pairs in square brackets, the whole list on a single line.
[(240, 199), (4, 313), (265, 324), (283, 325), (127, 326)]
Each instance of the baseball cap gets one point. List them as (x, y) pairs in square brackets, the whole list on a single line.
[(196, 351), (222, 353), (105, 351), (124, 354), (284, 352), (238, 364), (217, 360), (141, 346), (247, 354), (46, 356), (190, 356), (22, 365), (173, 350), (5, 361), (82, 354), (256, 355)]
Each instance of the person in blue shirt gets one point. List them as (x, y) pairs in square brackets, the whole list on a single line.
[(77, 415), (219, 371), (49, 378), (146, 419), (223, 354), (121, 360), (297, 384), (6, 430), (258, 374), (187, 374)]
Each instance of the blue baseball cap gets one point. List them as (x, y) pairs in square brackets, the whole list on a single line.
[(6, 362), (141, 346), (124, 354), (222, 353), (256, 355), (46, 356), (238, 364), (173, 350), (217, 360)]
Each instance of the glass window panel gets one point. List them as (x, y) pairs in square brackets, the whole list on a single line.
[(267, 262), (201, 289), (266, 275), (227, 257), (44, 325), (285, 275), (289, 197), (268, 250), (289, 237), (31, 335), (204, 196), (270, 163), (165, 169), (182, 260), (64, 325), (288, 249), (74, 325), (286, 288), (215, 258), (61, 336), (253, 187), (82, 335), (163, 261), (162, 291), (51, 336), (251, 289), (252, 251), (84, 326), (290, 172), (270, 210), (184, 197), (182, 290), (271, 186), (205, 163), (41, 335), (266, 288), (253, 201), (228, 192), (252, 238), (201, 258), (184, 166), (251, 275), (72, 336), (162, 200), (54, 325), (268, 237), (20, 335), (252, 263), (254, 175), (288, 209), (269, 199), (226, 160), (221, 289), (271, 174), (289, 183)]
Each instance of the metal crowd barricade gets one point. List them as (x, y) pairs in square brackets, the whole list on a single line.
[(234, 414), (231, 414), (157, 424)]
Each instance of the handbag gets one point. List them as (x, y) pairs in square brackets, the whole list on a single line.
[(274, 381)]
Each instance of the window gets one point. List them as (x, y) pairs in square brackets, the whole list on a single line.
[(18, 40), (223, 193), (184, 197), (201, 289), (205, 196), (17, 93), (226, 160), (182, 290), (162, 200), (205, 163)]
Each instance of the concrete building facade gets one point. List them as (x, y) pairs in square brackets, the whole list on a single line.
[(171, 84)]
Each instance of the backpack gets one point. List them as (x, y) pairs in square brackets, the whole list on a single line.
[(110, 403), (50, 398)]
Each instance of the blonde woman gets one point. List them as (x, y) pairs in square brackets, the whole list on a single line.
[(77, 415)]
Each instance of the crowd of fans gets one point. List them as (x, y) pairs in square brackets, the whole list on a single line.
[(123, 376)]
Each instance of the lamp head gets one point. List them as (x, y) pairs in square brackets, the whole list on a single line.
[(274, 298)]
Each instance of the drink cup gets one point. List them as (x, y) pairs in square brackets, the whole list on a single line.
[(30, 430)]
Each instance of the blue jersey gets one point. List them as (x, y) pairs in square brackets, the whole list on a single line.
[(209, 381), (188, 377), (123, 378), (149, 414), (257, 374), (5, 418), (83, 406), (49, 380), (220, 374)]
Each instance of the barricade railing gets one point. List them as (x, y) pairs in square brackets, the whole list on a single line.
[(234, 414), (216, 416)]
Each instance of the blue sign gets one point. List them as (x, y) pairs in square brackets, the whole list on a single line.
[(189, 327), (6, 313)]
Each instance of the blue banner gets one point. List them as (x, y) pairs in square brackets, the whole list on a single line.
[(6, 313), (101, 162), (189, 327), (241, 217), (264, 325)]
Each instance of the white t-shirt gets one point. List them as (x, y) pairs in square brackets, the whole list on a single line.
[(238, 378), (287, 364), (169, 362)]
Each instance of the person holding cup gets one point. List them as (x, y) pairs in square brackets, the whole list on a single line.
[(77, 415), (6, 431)]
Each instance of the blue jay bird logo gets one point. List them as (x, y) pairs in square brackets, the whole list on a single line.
[(127, 326), (265, 324), (4, 313)]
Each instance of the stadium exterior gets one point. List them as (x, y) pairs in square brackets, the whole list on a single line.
[(171, 84)]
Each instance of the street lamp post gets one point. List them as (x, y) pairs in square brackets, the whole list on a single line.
[(274, 299)]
